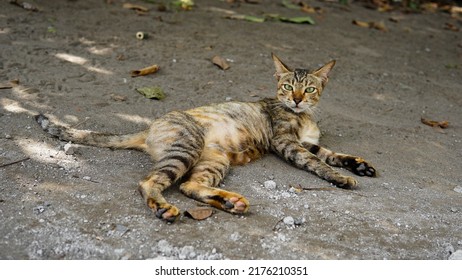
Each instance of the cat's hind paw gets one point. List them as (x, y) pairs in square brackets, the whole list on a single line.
[(165, 211), (229, 202), (236, 205)]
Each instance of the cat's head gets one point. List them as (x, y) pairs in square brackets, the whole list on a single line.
[(300, 89)]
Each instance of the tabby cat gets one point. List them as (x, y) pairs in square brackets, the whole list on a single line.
[(199, 145)]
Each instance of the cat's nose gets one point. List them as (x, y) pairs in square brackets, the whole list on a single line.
[(297, 100)]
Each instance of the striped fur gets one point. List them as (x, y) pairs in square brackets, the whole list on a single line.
[(199, 145)]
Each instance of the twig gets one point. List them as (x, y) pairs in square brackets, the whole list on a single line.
[(14, 162)]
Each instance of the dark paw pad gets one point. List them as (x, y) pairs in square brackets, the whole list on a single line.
[(359, 167)]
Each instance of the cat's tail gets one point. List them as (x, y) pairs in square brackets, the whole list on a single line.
[(86, 137)]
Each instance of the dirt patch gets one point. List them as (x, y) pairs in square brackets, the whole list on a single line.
[(73, 60)]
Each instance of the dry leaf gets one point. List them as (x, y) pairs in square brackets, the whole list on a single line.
[(9, 84), (135, 7), (429, 7), (24, 5), (379, 26), (455, 11), (361, 23), (220, 62), (442, 124), (116, 97), (376, 25), (452, 27), (199, 213), (145, 71)]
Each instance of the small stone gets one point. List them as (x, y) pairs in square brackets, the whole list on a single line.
[(69, 149), (307, 206), (289, 221), (7, 136), (299, 221), (88, 178), (270, 184), (164, 248), (187, 252), (235, 236), (457, 255), (458, 189), (39, 209), (454, 210), (228, 98)]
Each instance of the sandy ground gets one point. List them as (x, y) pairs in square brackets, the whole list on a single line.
[(73, 61)]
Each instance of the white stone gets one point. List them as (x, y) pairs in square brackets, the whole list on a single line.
[(457, 255), (270, 184)]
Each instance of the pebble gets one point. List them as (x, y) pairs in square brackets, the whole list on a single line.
[(299, 221), (270, 184), (39, 209), (457, 255), (88, 178), (187, 252), (458, 189), (235, 236), (164, 248), (7, 136), (228, 98), (69, 149), (289, 221)]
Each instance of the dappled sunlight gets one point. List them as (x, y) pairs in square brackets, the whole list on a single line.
[(72, 58), (45, 153), (5, 30), (135, 119), (82, 62), (99, 51), (14, 106)]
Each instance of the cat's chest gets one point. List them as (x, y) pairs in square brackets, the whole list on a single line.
[(309, 132)]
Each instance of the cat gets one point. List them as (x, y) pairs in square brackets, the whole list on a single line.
[(198, 146)]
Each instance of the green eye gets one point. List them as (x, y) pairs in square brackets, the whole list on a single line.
[(310, 89), (287, 87)]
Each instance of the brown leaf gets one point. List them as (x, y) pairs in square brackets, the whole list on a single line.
[(145, 71), (442, 124), (135, 7), (361, 23), (199, 213), (220, 62), (429, 7), (9, 84), (452, 27), (376, 25), (117, 97)]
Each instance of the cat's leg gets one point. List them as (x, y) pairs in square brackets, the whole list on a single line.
[(206, 175), (293, 152), (175, 142), (151, 189), (355, 164)]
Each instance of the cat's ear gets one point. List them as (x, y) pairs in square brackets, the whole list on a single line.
[(281, 68), (323, 72)]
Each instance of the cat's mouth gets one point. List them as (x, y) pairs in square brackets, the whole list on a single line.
[(298, 108)]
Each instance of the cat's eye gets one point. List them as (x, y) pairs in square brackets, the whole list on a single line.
[(310, 89), (287, 87)]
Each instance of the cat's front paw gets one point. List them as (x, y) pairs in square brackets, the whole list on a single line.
[(345, 182), (359, 166)]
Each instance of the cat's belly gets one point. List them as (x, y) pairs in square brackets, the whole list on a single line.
[(239, 130)]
